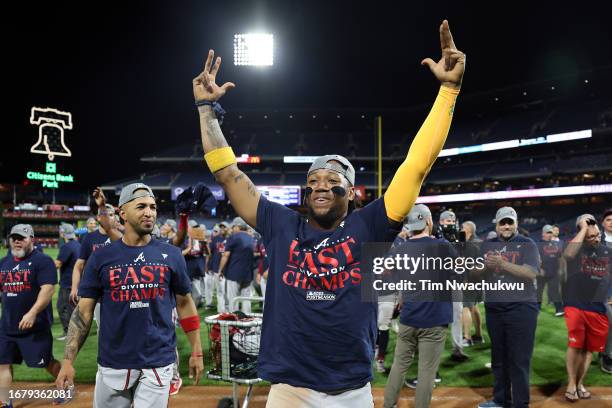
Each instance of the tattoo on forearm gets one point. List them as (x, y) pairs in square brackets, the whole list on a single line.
[(212, 136), (78, 329), (250, 187)]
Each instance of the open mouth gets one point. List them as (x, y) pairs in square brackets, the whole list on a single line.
[(321, 200)]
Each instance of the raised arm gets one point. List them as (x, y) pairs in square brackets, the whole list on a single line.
[(179, 238), (573, 247), (218, 155), (406, 184), (104, 217)]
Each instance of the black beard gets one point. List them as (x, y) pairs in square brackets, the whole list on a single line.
[(328, 219), (141, 231)]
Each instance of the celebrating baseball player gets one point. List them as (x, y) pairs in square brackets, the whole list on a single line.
[(318, 336), (136, 278)]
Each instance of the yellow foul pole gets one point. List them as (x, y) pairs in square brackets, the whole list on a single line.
[(379, 149)]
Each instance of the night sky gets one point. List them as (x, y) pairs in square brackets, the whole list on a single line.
[(124, 69)]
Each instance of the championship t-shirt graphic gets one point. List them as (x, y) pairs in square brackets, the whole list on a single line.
[(136, 286), (317, 332), (20, 282)]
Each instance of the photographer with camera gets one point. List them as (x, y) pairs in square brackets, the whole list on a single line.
[(447, 229)]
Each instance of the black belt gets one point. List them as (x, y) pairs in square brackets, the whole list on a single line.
[(343, 390), (340, 391)]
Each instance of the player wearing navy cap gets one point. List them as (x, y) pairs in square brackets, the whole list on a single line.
[(27, 282), (318, 336), (136, 278)]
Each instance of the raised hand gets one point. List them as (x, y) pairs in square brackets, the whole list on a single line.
[(99, 196), (204, 86), (451, 66)]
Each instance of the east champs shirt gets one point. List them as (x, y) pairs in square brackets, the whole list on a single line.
[(519, 250), (20, 282), (68, 255), (91, 242), (317, 333), (588, 278), (137, 287), (217, 248), (550, 252), (239, 267)]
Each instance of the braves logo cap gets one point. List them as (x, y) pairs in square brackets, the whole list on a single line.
[(505, 212), (23, 230), (417, 217)]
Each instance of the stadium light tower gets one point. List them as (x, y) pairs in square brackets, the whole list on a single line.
[(254, 49)]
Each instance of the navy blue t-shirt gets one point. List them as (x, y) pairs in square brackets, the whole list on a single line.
[(428, 314), (519, 250), (550, 252), (91, 242), (68, 255), (398, 241), (137, 287), (20, 282), (239, 267), (217, 247), (588, 278), (196, 258), (317, 333)]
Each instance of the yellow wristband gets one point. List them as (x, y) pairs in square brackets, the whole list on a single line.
[(220, 158)]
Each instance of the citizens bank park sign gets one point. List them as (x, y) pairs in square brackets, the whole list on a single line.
[(51, 125)]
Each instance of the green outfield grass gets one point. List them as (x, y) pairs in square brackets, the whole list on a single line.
[(548, 363)]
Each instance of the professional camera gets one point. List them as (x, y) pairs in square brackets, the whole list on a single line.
[(450, 233)]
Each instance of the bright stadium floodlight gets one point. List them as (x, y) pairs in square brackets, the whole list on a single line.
[(254, 49)]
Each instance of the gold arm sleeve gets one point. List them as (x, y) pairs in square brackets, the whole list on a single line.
[(406, 184)]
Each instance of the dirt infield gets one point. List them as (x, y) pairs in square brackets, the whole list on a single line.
[(443, 397)]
